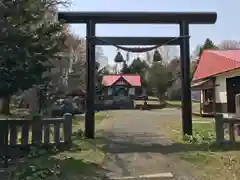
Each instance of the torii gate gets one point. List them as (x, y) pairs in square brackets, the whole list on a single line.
[(183, 19)]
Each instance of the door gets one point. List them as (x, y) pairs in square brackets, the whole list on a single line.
[(208, 101), (233, 88)]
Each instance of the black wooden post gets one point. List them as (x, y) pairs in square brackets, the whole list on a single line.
[(5, 130), (90, 98), (219, 128), (39, 92), (185, 79)]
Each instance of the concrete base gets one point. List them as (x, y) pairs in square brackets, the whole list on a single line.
[(160, 176)]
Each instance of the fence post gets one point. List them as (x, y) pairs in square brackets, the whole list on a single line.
[(37, 130), (4, 132), (67, 128), (219, 128)]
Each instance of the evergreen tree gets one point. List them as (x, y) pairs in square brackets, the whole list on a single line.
[(158, 79), (30, 38), (208, 44), (125, 69), (138, 66)]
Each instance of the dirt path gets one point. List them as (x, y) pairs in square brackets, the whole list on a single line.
[(134, 146)]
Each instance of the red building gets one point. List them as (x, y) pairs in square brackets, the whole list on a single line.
[(120, 90), (218, 79)]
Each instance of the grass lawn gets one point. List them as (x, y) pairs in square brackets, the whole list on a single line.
[(79, 123), (151, 101), (174, 102), (178, 103), (140, 102), (152, 98), (216, 162), (82, 161)]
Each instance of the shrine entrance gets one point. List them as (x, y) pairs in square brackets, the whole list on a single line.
[(183, 19)]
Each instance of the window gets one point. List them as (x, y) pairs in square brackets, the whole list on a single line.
[(110, 91), (131, 91)]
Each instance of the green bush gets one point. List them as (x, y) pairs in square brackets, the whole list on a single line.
[(202, 133)]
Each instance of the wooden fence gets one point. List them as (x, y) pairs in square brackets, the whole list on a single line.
[(233, 124), (20, 134)]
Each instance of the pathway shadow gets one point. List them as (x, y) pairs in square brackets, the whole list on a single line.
[(68, 168), (59, 162), (55, 165), (119, 143)]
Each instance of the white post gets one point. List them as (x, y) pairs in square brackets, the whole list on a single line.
[(237, 104)]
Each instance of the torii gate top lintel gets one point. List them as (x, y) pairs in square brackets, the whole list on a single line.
[(139, 17)]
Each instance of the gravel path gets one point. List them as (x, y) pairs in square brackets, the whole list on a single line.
[(134, 146)]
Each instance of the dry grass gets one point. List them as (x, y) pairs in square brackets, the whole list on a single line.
[(79, 123), (89, 148), (216, 162), (85, 150)]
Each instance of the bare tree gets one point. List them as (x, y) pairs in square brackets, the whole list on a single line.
[(115, 69), (229, 44), (75, 73), (148, 58), (100, 57), (196, 51), (167, 53)]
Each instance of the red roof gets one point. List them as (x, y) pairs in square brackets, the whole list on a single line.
[(213, 62), (109, 80)]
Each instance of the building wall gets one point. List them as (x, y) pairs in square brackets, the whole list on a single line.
[(221, 89), (220, 93)]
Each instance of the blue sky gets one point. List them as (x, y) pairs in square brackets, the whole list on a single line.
[(224, 29)]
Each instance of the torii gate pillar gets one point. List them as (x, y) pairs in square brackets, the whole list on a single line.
[(185, 79), (91, 68)]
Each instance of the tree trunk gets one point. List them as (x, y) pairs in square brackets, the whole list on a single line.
[(161, 98), (5, 105)]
